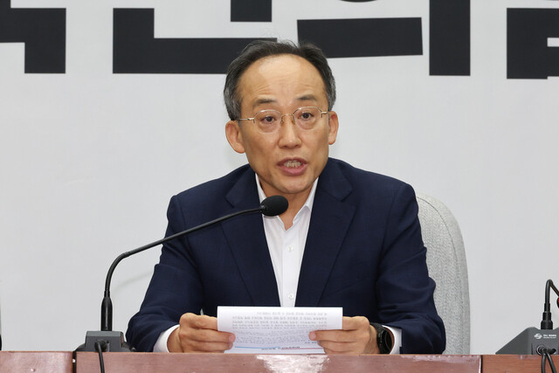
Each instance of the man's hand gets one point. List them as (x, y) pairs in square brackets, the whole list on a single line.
[(356, 337), (198, 333)]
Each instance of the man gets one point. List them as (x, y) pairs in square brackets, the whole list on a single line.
[(349, 238)]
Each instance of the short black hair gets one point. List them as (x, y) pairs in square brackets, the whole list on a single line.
[(266, 48)]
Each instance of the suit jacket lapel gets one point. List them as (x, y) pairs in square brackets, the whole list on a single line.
[(247, 240), (330, 221)]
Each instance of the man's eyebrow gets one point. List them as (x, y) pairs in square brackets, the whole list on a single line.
[(263, 101), (309, 97)]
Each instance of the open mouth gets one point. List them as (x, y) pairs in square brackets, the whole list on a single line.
[(292, 164)]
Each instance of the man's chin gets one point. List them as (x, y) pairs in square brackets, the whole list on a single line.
[(295, 191)]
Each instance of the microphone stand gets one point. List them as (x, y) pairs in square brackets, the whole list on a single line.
[(533, 341), (113, 341)]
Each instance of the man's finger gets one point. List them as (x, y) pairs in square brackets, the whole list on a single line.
[(199, 321)]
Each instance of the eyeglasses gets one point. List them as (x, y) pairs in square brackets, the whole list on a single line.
[(269, 121)]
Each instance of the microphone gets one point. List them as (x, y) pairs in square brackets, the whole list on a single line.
[(274, 205), (534, 341), (114, 341)]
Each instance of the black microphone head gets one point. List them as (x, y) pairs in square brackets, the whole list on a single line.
[(274, 205)]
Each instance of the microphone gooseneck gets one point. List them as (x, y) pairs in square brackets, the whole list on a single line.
[(271, 206), (546, 317)]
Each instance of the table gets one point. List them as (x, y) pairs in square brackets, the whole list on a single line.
[(129, 362)]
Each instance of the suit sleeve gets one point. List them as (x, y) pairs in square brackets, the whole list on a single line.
[(404, 288)]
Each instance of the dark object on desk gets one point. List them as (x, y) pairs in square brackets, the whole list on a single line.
[(533, 341)]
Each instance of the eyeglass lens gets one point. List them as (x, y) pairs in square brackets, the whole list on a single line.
[(304, 117)]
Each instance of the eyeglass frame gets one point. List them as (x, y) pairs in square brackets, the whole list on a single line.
[(253, 119)]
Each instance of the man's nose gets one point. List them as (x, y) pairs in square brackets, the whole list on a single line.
[(289, 131), (282, 121)]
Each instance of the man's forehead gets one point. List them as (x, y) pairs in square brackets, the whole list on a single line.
[(285, 69), (302, 99)]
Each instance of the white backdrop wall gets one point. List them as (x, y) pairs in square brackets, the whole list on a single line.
[(89, 158)]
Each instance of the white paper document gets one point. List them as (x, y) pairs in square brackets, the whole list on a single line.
[(277, 330)]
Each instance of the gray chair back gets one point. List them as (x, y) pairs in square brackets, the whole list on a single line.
[(446, 260)]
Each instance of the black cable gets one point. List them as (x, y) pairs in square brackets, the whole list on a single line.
[(74, 360), (548, 356), (99, 346)]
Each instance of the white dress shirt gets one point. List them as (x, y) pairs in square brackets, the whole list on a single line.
[(287, 247)]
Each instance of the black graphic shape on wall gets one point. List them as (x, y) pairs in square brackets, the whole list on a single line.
[(528, 55), (136, 51), (364, 37), (251, 10), (42, 30), (449, 29)]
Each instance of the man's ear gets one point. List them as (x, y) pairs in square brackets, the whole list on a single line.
[(333, 126), (234, 136)]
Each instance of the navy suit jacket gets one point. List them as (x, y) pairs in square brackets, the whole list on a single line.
[(364, 253)]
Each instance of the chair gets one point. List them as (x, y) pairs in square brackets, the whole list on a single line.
[(446, 260)]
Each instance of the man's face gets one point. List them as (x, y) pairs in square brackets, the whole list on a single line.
[(288, 161)]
